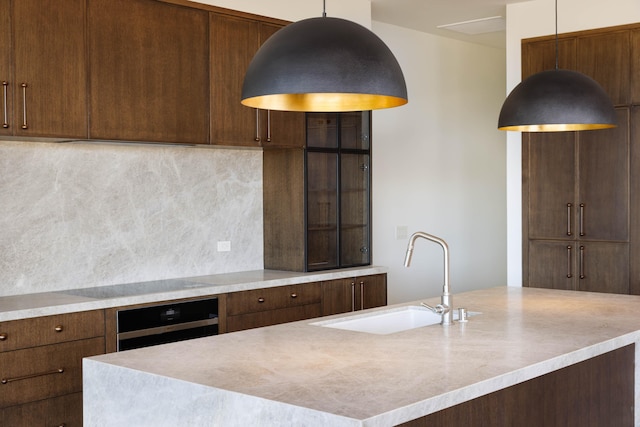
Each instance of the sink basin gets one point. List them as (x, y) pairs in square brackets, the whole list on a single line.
[(386, 321)]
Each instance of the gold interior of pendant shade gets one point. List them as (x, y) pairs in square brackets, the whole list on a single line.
[(318, 102), (562, 127)]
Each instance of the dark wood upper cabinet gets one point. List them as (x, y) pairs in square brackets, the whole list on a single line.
[(43, 75), (635, 67), (234, 42), (541, 56), (149, 71)]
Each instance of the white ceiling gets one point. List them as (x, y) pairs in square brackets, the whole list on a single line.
[(427, 15)]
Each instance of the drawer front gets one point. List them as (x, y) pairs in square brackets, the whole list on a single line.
[(59, 411), (273, 298), (39, 373), (26, 333), (273, 317)]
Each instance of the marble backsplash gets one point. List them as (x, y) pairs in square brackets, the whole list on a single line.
[(81, 215)]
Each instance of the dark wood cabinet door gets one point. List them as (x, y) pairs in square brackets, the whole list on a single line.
[(635, 67), (149, 65), (549, 181), (280, 128), (603, 199), (371, 291), (234, 41), (605, 58), (338, 296), (603, 267), (49, 83), (6, 67), (355, 234), (59, 411), (551, 265), (541, 56)]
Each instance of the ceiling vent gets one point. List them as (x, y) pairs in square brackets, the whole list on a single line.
[(478, 26)]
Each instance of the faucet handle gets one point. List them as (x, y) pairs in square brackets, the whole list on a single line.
[(438, 309)]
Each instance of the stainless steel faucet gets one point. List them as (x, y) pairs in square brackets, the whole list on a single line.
[(445, 308)]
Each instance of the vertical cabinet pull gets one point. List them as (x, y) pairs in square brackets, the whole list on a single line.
[(268, 125), (257, 138), (353, 296), (5, 90), (569, 273), (361, 295), (25, 125), (582, 219), (569, 219), (582, 262)]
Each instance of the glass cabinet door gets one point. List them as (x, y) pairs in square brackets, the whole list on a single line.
[(322, 210), (354, 210)]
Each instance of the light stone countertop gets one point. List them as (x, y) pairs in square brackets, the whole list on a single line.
[(301, 374), (74, 300)]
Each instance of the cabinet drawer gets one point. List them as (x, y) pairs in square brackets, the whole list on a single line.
[(26, 333), (59, 411), (273, 298), (33, 374), (273, 317)]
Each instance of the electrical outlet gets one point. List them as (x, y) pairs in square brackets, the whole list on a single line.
[(224, 246), (402, 232)]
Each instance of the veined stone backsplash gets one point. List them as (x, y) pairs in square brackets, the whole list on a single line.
[(83, 215)]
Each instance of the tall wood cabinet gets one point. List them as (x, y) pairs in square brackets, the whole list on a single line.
[(234, 42), (42, 68), (580, 189), (316, 200)]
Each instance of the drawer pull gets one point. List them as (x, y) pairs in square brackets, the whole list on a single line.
[(58, 328), (3, 336), (294, 295), (260, 300), (26, 377)]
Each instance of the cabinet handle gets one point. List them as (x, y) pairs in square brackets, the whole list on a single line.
[(353, 296), (24, 106), (260, 300), (26, 377), (5, 89), (569, 219), (257, 138), (58, 328), (268, 125), (3, 336), (294, 295), (582, 219), (361, 295), (569, 273), (582, 262)]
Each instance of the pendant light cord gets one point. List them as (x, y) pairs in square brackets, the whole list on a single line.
[(556, 35), (324, 8)]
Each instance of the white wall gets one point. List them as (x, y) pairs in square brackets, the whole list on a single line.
[(438, 166), (532, 19)]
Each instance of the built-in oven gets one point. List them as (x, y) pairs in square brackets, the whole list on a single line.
[(160, 324)]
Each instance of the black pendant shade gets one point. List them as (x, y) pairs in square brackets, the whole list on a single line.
[(557, 100), (324, 64)]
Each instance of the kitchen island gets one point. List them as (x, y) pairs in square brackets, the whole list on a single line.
[(304, 374)]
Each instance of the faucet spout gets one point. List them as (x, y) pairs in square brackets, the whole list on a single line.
[(446, 298)]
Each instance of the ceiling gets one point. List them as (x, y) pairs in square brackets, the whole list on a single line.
[(427, 15)]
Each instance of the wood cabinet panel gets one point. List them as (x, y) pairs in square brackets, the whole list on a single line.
[(58, 411), (358, 293), (273, 317), (635, 67), (605, 58), (34, 373), (149, 71), (273, 298), (53, 101), (541, 56), (596, 392), (37, 331)]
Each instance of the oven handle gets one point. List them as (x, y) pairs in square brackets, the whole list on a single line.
[(164, 329)]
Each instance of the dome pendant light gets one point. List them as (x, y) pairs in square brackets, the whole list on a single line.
[(324, 64), (555, 101)]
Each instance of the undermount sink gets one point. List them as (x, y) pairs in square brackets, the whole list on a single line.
[(386, 321)]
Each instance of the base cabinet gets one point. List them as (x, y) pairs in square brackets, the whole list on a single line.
[(41, 367), (358, 293)]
